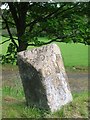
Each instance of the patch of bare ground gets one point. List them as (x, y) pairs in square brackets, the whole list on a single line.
[(78, 79)]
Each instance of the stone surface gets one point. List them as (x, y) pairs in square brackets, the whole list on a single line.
[(44, 78)]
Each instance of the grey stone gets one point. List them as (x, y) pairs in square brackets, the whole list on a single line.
[(44, 78)]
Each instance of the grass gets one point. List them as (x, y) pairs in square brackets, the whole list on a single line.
[(13, 102), (74, 55), (14, 106), (78, 107)]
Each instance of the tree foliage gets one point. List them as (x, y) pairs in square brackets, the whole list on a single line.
[(60, 22)]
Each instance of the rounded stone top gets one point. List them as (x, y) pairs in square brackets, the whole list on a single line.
[(44, 48), (40, 54)]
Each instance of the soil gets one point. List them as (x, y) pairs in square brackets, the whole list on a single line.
[(78, 80)]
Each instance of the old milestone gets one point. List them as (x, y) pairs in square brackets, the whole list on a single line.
[(44, 78)]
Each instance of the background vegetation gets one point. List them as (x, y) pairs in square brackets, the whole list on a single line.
[(24, 22)]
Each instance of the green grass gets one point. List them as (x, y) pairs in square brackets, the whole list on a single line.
[(4, 46), (13, 102), (14, 106), (73, 54)]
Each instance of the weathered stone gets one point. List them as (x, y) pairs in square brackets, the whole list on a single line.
[(44, 78)]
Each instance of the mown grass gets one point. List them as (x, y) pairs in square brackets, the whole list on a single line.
[(74, 55), (14, 106)]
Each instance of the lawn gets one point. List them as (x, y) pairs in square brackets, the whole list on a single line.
[(74, 55)]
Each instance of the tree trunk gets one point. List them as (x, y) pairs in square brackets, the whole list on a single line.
[(22, 46), (20, 32)]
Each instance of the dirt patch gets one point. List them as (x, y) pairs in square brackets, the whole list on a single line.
[(9, 99), (78, 80)]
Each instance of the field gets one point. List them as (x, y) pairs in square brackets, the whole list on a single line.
[(75, 57), (73, 54)]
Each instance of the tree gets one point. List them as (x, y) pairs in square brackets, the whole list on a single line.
[(60, 22)]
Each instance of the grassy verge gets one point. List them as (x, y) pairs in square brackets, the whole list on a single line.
[(14, 106)]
